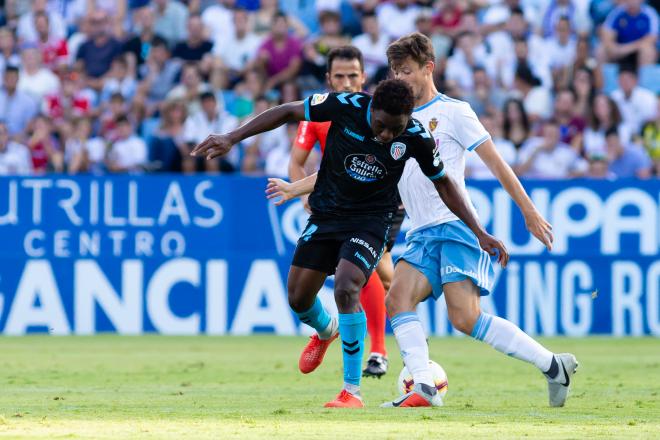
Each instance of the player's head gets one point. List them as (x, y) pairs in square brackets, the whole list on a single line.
[(345, 69), (391, 107), (411, 59)]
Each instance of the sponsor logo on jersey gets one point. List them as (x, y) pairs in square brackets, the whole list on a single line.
[(397, 150), (318, 98), (433, 123), (364, 167)]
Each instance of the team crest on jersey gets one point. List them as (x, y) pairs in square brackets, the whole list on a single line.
[(397, 150), (319, 98), (433, 123)]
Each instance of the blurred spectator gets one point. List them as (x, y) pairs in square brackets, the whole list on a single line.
[(73, 100), (167, 149), (265, 15), (17, 108), (35, 79), (546, 157), (277, 160), (469, 53), (536, 98), (139, 44), (626, 160), (159, 75), (238, 52), (246, 92), (259, 147), (651, 140), (119, 80), (561, 47), (317, 47), (170, 20), (128, 152), (522, 57), (571, 124), (515, 124), (112, 111), (8, 54), (447, 18), (44, 148), (211, 118), (82, 152), (441, 43), (96, 54), (280, 54), (579, 19), (475, 168), (599, 168), (54, 51), (191, 87), (196, 47), (397, 18), (77, 38), (630, 34), (219, 21), (484, 97), (26, 30), (637, 104), (604, 115), (14, 157), (585, 90), (373, 44)]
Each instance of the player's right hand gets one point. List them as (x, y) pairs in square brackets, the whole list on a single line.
[(279, 188), (494, 247), (213, 146)]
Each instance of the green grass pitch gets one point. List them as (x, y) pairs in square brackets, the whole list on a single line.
[(248, 387)]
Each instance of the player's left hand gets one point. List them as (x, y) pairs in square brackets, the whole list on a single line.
[(540, 228), (494, 247), (213, 146), (279, 188)]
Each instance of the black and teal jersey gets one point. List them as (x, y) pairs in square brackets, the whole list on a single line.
[(358, 174)]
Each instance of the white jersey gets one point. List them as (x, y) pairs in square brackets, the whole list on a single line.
[(456, 129)]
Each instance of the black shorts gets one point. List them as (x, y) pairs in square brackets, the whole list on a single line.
[(360, 240), (395, 229)]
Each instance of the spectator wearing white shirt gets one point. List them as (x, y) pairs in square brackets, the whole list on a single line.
[(17, 108), (211, 118), (373, 45), (561, 47), (238, 52), (546, 157), (26, 30), (82, 152), (14, 158), (171, 18), (397, 18), (35, 79), (469, 53), (258, 148), (475, 168), (603, 115), (636, 104), (536, 98), (129, 152), (219, 21)]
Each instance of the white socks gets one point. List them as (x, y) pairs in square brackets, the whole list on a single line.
[(507, 338), (411, 338)]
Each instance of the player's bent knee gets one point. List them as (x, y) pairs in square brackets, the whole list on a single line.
[(463, 321), (347, 295)]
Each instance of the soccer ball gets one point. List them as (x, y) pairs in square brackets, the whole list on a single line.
[(406, 383)]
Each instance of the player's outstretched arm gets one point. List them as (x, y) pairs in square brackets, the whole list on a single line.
[(535, 222), (453, 198), (287, 191), (220, 144)]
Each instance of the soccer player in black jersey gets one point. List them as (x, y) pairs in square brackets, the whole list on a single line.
[(354, 200)]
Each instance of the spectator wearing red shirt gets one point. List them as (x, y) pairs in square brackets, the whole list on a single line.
[(54, 52), (44, 149), (281, 54), (571, 125)]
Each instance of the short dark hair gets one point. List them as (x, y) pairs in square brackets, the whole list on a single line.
[(12, 69), (328, 15), (345, 53), (416, 46), (122, 119), (628, 68), (524, 73), (369, 14), (159, 41), (207, 95), (612, 131), (394, 97)]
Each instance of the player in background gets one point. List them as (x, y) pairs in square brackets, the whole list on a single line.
[(345, 74), (442, 255), (354, 200)]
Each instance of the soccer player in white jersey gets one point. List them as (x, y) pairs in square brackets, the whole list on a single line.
[(442, 254)]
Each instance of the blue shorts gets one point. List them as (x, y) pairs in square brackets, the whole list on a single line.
[(447, 253)]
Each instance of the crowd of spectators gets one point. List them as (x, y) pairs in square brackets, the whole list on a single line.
[(567, 88)]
